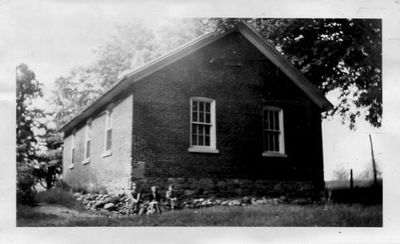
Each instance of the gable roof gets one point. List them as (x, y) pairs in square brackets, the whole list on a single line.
[(248, 32)]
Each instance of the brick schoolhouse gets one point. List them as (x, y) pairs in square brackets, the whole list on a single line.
[(224, 110)]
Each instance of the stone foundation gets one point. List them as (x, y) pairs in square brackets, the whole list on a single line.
[(208, 187)]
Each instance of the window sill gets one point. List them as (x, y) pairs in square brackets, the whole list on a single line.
[(71, 166), (106, 154), (86, 161), (202, 150), (274, 154)]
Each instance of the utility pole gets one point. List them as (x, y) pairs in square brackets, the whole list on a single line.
[(351, 179), (373, 161)]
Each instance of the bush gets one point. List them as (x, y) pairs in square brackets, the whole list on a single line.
[(63, 185), (58, 196), (80, 189), (25, 185)]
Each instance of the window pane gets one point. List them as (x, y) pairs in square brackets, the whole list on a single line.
[(194, 129), (207, 130), (274, 120), (88, 149), (270, 141), (271, 118), (194, 139), (201, 140), (276, 142), (208, 119), (195, 108), (195, 135), (208, 105), (108, 140), (207, 141), (201, 106), (201, 135), (194, 117), (201, 117), (276, 126), (73, 155)]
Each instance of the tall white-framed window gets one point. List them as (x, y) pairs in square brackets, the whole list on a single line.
[(202, 125), (273, 132), (72, 151), (108, 133), (88, 142)]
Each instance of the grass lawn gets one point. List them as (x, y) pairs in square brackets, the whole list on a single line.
[(254, 215)]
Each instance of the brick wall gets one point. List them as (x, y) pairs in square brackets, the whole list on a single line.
[(111, 172), (242, 81)]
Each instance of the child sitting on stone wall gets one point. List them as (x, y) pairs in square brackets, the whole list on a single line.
[(135, 200), (170, 195), (154, 201)]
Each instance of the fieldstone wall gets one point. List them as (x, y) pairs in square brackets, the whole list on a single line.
[(208, 187), (206, 192)]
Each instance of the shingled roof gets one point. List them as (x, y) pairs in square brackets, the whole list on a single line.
[(248, 32)]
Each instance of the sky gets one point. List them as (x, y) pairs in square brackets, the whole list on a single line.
[(52, 37)]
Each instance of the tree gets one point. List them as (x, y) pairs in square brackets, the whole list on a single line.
[(367, 173), (74, 92), (131, 46), (50, 160), (341, 174), (28, 89), (39, 156), (343, 55)]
